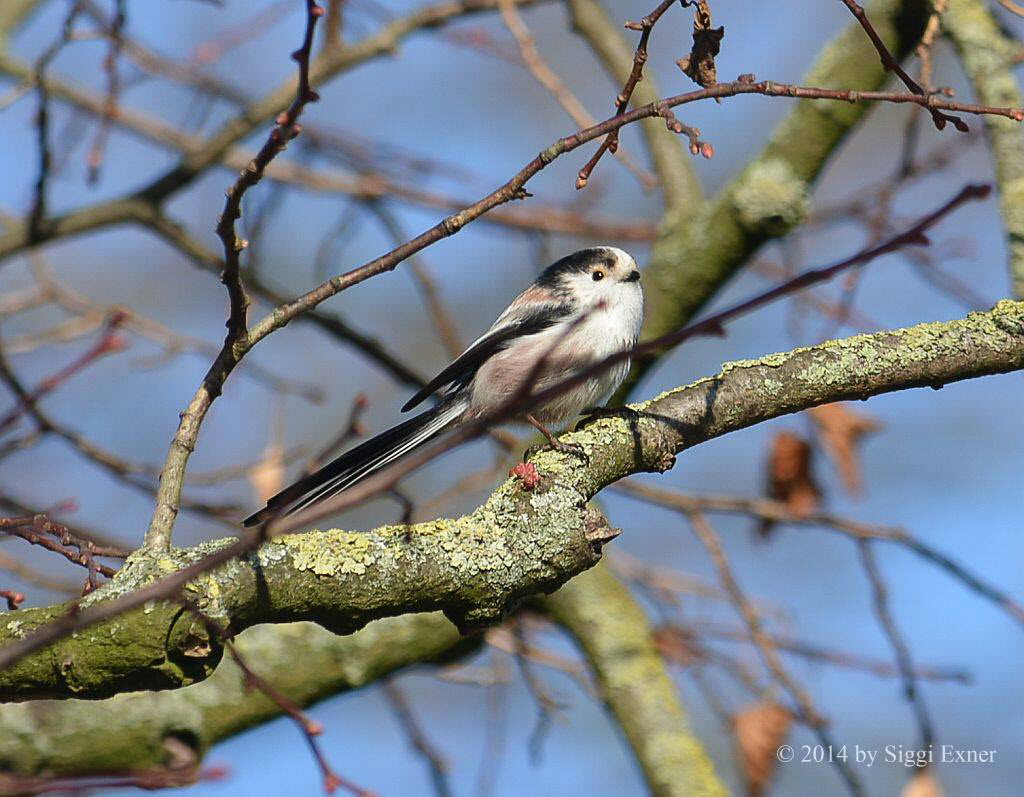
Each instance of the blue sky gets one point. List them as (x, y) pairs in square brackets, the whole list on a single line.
[(947, 465)]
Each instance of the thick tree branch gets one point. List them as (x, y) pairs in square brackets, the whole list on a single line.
[(139, 731), (614, 633), (520, 542), (989, 54)]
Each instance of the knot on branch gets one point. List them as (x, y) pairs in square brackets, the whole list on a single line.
[(771, 199), (452, 224), (598, 530), (1006, 316)]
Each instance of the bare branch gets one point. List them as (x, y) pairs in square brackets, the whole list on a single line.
[(550, 545), (899, 645), (892, 65), (236, 343), (765, 646)]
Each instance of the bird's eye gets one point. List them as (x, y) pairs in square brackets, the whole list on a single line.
[(598, 275)]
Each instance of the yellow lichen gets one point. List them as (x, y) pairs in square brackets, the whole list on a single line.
[(328, 554)]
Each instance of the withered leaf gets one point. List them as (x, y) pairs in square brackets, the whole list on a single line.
[(760, 729), (923, 784), (790, 478), (699, 65), (841, 431)]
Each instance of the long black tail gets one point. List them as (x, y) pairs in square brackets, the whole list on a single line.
[(362, 461)]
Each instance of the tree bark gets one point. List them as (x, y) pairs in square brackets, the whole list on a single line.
[(520, 542)]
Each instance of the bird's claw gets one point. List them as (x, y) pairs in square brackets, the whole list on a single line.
[(570, 448), (531, 450), (563, 448)]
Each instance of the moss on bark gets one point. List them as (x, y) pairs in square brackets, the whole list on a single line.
[(520, 542)]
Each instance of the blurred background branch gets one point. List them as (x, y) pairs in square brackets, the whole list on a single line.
[(162, 131)]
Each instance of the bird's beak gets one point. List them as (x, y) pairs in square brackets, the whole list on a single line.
[(634, 276)]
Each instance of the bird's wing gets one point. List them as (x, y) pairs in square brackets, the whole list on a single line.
[(506, 329)]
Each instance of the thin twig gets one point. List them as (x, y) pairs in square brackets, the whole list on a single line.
[(765, 646), (109, 343), (547, 706), (309, 727), (236, 342), (125, 470), (286, 129), (890, 64), (18, 568), (900, 648), (55, 537), (837, 658), (557, 88), (115, 31), (37, 214), (435, 762), (611, 141), (352, 429), (778, 512), (444, 322), (1012, 7)]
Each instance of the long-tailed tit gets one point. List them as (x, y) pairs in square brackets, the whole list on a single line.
[(580, 310)]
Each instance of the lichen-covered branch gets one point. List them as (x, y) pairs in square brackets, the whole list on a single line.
[(13, 13), (615, 635), (989, 56), (698, 252), (147, 730), (475, 568), (520, 542)]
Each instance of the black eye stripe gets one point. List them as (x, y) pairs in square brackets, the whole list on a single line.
[(582, 262)]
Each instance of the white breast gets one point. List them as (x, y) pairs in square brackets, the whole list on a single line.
[(563, 350)]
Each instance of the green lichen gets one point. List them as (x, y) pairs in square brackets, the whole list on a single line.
[(771, 199), (988, 55), (519, 542), (330, 553)]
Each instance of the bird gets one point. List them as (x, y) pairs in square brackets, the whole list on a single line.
[(582, 309)]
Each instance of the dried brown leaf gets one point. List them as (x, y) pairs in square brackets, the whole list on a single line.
[(790, 478), (267, 477), (674, 645), (841, 431), (923, 784), (699, 65), (760, 729)]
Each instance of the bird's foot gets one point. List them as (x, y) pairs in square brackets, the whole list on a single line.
[(570, 448), (556, 445)]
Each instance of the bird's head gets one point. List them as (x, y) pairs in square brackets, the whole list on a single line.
[(601, 275)]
